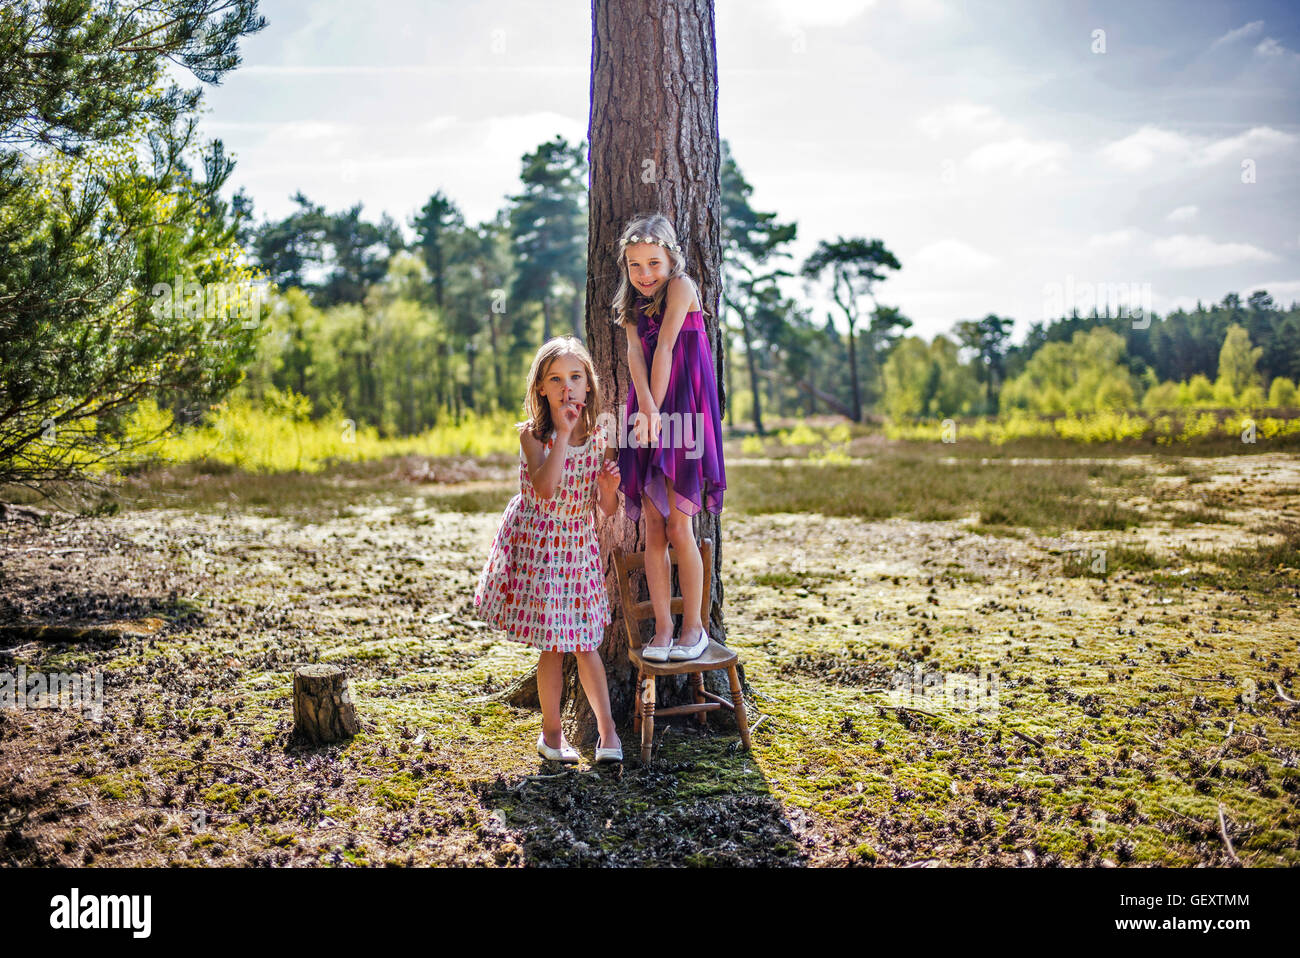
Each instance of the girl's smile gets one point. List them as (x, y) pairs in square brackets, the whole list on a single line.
[(647, 266)]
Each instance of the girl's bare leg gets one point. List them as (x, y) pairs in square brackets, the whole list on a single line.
[(658, 573), (690, 569), (550, 679), (591, 672)]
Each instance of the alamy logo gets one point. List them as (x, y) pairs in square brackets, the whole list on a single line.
[(676, 430), (211, 301), (965, 692), (102, 911), (36, 690)]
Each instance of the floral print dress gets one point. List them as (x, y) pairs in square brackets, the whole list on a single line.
[(543, 582)]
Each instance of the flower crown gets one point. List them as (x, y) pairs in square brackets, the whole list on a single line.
[(625, 243)]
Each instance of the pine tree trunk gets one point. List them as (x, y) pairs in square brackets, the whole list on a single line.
[(579, 315), (750, 359), (853, 373), (496, 360), (730, 383), (654, 145)]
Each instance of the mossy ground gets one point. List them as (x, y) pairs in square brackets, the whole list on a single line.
[(1143, 687)]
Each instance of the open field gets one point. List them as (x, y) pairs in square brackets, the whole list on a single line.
[(1137, 614)]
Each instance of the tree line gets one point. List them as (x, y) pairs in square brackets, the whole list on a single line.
[(399, 334), (117, 236)]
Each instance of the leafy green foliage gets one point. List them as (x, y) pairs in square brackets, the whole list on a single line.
[(115, 246), (1085, 375)]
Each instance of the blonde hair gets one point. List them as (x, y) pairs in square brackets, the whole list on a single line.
[(657, 228), (537, 409)]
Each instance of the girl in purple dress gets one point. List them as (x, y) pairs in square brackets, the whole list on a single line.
[(674, 467)]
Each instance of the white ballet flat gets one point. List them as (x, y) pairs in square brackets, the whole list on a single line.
[(608, 754), (656, 653), (681, 653), (564, 753)]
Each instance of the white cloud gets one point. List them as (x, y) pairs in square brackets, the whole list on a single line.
[(1284, 292), (1254, 140), (1164, 305), (1151, 145), (311, 130), (440, 124), (407, 69), (951, 258), (1248, 30), (961, 118), (1018, 155), (822, 13), (1182, 214), (925, 9), (1142, 149), (1113, 240), (513, 136), (1199, 252), (1268, 47)]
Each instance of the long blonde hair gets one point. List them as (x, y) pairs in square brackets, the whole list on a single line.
[(537, 409), (654, 225)]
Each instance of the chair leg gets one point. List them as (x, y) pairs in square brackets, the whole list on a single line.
[(636, 711), (738, 698), (697, 683), (647, 717)]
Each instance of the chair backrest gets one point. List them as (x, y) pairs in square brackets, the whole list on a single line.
[(625, 563)]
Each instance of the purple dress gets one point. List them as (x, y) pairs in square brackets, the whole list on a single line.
[(689, 448)]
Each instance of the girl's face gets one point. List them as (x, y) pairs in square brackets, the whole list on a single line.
[(647, 267), (564, 381)]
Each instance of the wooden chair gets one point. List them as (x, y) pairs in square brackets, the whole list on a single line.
[(716, 656)]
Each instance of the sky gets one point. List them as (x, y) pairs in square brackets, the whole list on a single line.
[(1018, 157)]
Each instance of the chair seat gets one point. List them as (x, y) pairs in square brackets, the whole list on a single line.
[(716, 656)]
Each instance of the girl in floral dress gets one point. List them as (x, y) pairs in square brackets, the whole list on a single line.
[(543, 581)]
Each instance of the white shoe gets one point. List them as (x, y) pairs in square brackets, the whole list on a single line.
[(608, 754), (564, 753), (656, 653), (680, 653)]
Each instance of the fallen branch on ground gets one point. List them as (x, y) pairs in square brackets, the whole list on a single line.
[(1223, 831), (217, 761), (1028, 738)]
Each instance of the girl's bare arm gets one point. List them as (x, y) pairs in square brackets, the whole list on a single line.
[(676, 303), (636, 366), (607, 499), (543, 470)]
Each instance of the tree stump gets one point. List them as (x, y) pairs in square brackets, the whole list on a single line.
[(322, 705)]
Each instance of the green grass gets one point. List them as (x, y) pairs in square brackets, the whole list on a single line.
[(1043, 496), (1100, 563), (1262, 568), (1130, 686)]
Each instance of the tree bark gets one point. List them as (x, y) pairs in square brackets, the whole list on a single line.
[(853, 374), (654, 146), (729, 386), (322, 706), (579, 316), (752, 361)]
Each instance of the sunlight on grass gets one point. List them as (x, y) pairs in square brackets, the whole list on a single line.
[(1102, 427), (279, 438)]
